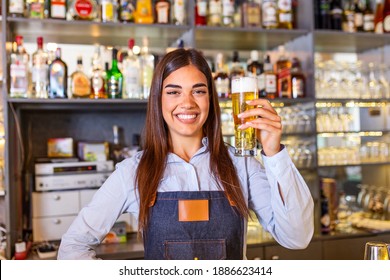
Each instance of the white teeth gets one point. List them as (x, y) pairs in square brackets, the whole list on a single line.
[(186, 117)]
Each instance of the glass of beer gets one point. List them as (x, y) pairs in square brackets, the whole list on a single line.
[(376, 250), (244, 89)]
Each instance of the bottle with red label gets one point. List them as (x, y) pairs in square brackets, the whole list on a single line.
[(84, 10)]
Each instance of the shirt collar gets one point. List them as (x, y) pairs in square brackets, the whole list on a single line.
[(174, 158)]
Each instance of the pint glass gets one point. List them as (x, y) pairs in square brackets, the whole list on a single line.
[(244, 89)]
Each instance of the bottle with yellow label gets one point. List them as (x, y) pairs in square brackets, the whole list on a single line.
[(108, 11), (144, 12)]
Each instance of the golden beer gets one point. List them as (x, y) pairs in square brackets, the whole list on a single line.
[(244, 89)]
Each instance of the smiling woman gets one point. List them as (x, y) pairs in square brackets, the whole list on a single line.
[(190, 193)]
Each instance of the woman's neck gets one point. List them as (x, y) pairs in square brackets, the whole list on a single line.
[(186, 147)]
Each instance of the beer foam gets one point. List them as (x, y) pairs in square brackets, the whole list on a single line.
[(244, 84)]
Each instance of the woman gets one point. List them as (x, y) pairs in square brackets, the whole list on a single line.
[(191, 195)]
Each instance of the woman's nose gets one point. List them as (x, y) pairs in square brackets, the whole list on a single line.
[(187, 100)]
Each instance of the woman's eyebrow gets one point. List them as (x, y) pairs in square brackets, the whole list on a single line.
[(199, 85), (172, 86)]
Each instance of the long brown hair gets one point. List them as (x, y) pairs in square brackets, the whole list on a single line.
[(156, 145)]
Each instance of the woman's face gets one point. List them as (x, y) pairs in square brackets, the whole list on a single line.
[(185, 102)]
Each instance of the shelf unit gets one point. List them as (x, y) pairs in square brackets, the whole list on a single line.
[(28, 122)]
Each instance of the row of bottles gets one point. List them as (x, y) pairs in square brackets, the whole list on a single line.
[(130, 77), (282, 79), (353, 15), (268, 14), (138, 11)]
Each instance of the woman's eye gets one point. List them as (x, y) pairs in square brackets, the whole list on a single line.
[(172, 92), (200, 92)]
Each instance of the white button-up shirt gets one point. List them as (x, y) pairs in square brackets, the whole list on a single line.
[(290, 222)]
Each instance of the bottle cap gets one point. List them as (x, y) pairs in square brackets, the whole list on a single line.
[(131, 43)]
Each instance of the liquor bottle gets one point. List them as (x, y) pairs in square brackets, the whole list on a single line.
[(251, 14), (58, 77), (147, 68), (228, 13), (162, 11), (144, 12), (179, 12), (270, 80), (16, 8), (298, 79), (236, 69), (80, 84), (256, 69), (358, 16), (39, 71), (58, 9), (221, 78), (131, 74), (269, 14), (83, 10), (368, 18), (336, 14), (201, 12), (19, 72), (349, 17), (108, 11), (35, 9), (378, 19), (285, 14), (126, 10), (98, 81), (214, 16), (386, 17), (114, 78), (282, 70), (295, 5), (116, 153), (325, 17)]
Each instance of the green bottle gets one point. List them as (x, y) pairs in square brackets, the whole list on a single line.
[(114, 78)]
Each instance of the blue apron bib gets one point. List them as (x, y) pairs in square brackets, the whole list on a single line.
[(220, 237)]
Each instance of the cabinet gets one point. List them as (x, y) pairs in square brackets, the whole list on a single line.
[(28, 122)]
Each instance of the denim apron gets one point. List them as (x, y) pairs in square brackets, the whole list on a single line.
[(220, 237)]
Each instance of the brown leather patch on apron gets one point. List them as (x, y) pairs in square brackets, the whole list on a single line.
[(193, 210)]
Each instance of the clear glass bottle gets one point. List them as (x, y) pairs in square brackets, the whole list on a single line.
[(58, 9), (58, 77), (39, 72), (147, 68), (162, 11), (256, 69), (270, 80), (16, 8), (98, 90), (179, 12), (228, 13), (214, 16), (84, 10), (19, 71), (285, 14), (269, 10), (108, 11), (80, 84), (114, 78), (131, 74), (221, 78)]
